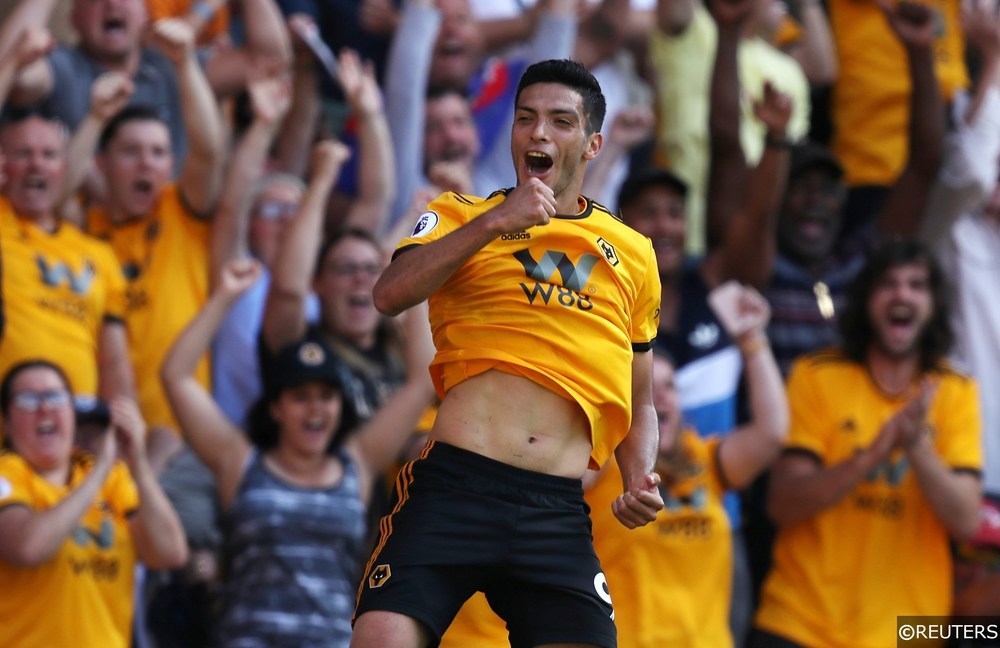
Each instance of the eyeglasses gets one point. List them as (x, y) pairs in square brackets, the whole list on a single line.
[(369, 270), (275, 209), (30, 401)]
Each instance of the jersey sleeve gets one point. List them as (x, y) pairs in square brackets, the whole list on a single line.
[(713, 463), (120, 491), (958, 429), (116, 304), (14, 480), (443, 215), (806, 410), (646, 316)]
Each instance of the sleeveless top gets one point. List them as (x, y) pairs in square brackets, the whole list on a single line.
[(292, 560)]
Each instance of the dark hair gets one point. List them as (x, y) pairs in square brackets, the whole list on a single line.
[(439, 91), (7, 386), (264, 431), (125, 116), (242, 114), (650, 176), (339, 235), (855, 323), (573, 75)]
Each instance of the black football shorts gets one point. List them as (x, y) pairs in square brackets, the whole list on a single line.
[(464, 523)]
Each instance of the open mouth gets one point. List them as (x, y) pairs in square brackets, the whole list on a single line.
[(315, 426), (359, 301), (665, 244), (900, 322), (451, 48), (901, 318), (451, 53), (538, 163), (812, 228), (47, 429), (113, 25), (455, 154), (143, 187), (35, 184)]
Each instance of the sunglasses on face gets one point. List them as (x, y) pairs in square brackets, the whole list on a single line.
[(30, 401), (369, 270)]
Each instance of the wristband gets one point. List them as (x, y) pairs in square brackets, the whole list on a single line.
[(754, 345)]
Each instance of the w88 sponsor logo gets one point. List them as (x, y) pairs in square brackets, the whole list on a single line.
[(573, 278), (563, 296)]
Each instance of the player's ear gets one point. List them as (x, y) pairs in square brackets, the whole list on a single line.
[(594, 143)]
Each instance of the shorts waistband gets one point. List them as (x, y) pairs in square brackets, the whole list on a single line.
[(482, 466)]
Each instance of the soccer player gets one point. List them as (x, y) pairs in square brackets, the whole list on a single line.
[(544, 307)]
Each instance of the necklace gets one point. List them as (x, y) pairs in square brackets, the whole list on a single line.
[(893, 391), (824, 302)]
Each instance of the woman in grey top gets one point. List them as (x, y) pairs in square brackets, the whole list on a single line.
[(294, 493)]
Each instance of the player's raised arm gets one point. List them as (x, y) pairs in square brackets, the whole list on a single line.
[(415, 274)]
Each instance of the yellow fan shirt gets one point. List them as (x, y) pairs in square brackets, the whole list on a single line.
[(84, 595), (841, 578), (165, 258), (871, 109), (670, 580), (58, 290)]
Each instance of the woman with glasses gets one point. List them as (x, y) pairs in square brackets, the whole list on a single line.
[(73, 524), (295, 490), (342, 272)]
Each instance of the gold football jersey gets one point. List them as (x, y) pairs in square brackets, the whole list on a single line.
[(564, 304)]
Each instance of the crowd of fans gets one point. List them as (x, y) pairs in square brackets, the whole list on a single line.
[(197, 198)]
